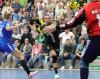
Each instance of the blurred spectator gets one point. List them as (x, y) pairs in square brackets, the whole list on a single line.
[(40, 7), (57, 3), (23, 3), (15, 15), (1, 18), (16, 5), (2, 3), (77, 32), (26, 34), (68, 13), (36, 55), (3, 58), (81, 3), (64, 36), (34, 31), (59, 11), (78, 52), (17, 43), (29, 7), (16, 35), (41, 38), (68, 53), (73, 5), (10, 62), (26, 48), (50, 5), (84, 31), (32, 1), (49, 12), (7, 8)]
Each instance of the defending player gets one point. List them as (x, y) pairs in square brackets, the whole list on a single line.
[(91, 14)]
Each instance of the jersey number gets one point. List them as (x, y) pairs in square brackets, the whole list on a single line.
[(98, 17)]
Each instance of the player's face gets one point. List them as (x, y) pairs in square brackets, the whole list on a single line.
[(47, 19)]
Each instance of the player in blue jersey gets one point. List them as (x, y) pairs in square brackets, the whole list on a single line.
[(6, 42)]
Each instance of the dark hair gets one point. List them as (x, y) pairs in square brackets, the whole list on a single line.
[(82, 38)]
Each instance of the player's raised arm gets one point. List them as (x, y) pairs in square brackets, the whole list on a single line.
[(10, 25), (78, 19), (16, 25)]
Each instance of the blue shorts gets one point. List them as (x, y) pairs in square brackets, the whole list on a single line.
[(8, 48)]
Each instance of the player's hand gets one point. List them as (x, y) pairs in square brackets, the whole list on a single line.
[(49, 29), (17, 23)]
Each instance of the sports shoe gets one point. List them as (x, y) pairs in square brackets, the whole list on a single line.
[(62, 68), (57, 76), (32, 74), (70, 67)]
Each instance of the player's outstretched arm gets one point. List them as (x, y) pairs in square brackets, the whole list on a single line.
[(9, 28), (78, 19)]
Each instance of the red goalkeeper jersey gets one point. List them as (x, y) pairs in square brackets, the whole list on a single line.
[(91, 14)]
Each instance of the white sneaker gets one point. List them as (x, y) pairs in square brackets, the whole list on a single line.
[(57, 76), (32, 74), (62, 68), (70, 67)]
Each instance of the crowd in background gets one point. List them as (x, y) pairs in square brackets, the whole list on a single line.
[(29, 37)]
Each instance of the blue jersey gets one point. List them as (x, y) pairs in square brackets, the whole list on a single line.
[(5, 36), (6, 41)]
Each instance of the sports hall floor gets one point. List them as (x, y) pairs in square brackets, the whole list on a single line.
[(44, 74)]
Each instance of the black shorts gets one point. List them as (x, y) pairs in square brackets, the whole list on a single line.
[(51, 46)]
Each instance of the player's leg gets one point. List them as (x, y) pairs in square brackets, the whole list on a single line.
[(54, 56), (18, 54), (10, 49), (89, 54), (73, 60)]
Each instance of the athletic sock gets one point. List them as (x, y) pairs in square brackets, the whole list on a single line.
[(24, 65), (56, 71)]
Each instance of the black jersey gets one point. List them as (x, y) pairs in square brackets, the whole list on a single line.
[(52, 40)]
